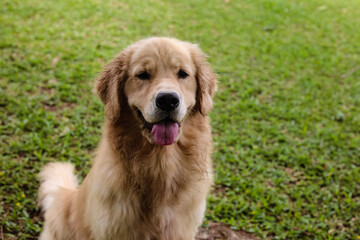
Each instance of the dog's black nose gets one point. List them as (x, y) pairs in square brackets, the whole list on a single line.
[(167, 101)]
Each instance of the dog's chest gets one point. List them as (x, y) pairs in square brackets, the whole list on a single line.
[(154, 200), (130, 219), (157, 182)]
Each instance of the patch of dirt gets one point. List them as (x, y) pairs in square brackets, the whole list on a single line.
[(219, 231), (44, 90), (219, 190), (295, 176), (52, 107)]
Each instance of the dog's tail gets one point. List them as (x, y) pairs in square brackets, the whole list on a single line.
[(53, 177)]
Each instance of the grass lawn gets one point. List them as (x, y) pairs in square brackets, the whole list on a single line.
[(286, 121)]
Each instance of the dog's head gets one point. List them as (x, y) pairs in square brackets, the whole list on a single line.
[(163, 81)]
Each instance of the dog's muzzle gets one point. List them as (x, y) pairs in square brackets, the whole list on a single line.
[(165, 129)]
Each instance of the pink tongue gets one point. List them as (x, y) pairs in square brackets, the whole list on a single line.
[(165, 132)]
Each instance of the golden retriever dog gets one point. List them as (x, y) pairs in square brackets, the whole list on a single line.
[(152, 170)]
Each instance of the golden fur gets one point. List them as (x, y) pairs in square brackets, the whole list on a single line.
[(137, 189)]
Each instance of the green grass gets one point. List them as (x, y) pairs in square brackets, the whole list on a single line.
[(286, 120)]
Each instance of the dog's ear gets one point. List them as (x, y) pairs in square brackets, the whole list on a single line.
[(109, 85), (206, 81)]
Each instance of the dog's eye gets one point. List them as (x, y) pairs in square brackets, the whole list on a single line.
[(182, 74), (143, 75)]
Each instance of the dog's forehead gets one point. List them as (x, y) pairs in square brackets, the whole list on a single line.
[(160, 53)]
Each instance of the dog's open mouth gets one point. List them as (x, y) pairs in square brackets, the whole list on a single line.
[(164, 132)]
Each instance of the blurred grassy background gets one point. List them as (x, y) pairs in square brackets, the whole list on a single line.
[(286, 120)]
